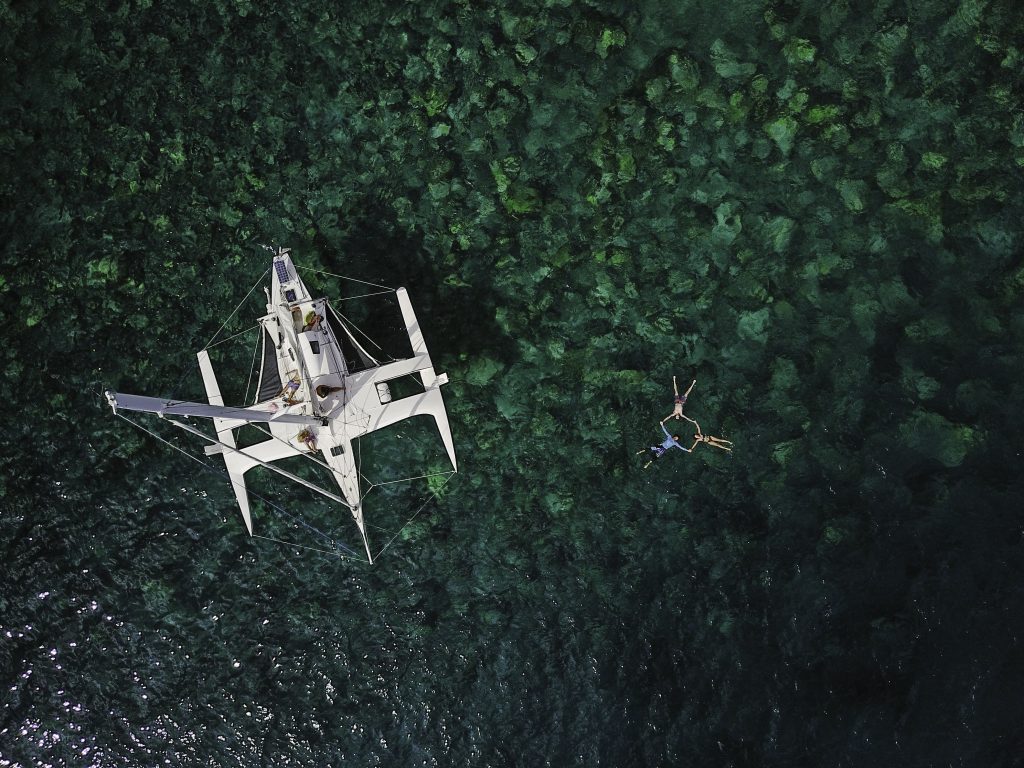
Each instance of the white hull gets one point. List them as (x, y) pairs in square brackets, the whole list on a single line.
[(311, 356)]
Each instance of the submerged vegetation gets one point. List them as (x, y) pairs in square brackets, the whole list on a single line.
[(814, 210)]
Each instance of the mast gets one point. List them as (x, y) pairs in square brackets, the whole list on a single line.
[(164, 407)]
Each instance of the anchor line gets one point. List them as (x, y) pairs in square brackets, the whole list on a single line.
[(385, 288)]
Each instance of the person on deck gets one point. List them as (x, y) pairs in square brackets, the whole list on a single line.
[(290, 388), (324, 391), (657, 451), (680, 401), (313, 321), (307, 438)]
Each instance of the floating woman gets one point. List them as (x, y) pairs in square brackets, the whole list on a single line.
[(714, 442)]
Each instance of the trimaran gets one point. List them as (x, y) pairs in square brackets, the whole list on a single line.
[(319, 389)]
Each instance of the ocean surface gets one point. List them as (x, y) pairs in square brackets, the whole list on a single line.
[(812, 211)]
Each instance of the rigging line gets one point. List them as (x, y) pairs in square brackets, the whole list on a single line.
[(336, 312), (235, 310), (206, 466), (359, 471), (232, 449), (365, 295), (229, 338), (344, 277), (410, 479), (432, 497), (267, 501), (449, 473), (307, 454), (203, 464), (306, 525), (303, 546), (359, 468), (191, 368), (343, 328)]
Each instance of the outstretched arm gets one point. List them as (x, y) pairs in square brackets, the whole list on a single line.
[(688, 390)]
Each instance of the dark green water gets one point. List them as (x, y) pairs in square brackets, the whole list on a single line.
[(815, 212)]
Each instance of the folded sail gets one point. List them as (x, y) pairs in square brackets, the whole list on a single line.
[(270, 383)]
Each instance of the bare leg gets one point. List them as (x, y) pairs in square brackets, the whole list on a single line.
[(718, 442), (677, 409), (650, 460)]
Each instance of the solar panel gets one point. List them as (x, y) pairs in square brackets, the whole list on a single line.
[(282, 271)]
